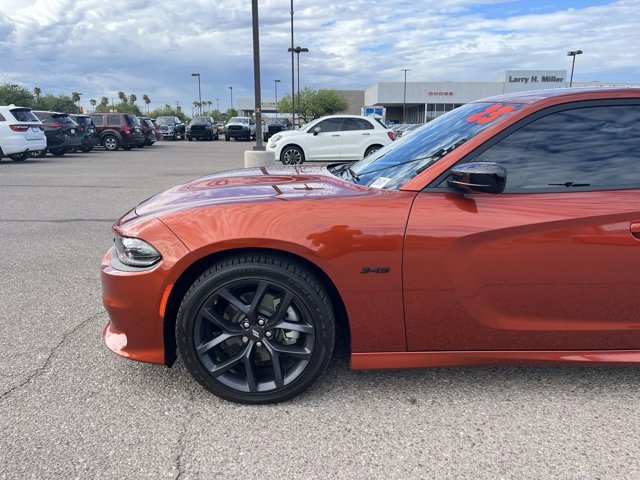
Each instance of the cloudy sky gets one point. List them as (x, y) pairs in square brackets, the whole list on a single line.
[(151, 47)]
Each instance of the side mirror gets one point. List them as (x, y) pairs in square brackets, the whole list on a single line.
[(486, 177), (317, 130)]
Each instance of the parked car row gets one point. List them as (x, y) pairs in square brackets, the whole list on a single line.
[(404, 128), (28, 133)]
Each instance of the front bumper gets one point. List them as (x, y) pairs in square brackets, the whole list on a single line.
[(135, 299)]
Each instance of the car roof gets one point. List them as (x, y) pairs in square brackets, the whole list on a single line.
[(565, 94)]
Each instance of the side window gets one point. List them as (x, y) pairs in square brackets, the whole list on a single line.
[(588, 148), (329, 125), (357, 124), (97, 121), (2, 119), (113, 120)]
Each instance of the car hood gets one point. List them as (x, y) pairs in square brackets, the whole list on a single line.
[(263, 184)]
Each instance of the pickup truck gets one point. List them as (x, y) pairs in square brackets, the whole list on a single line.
[(202, 128), (171, 127), (240, 128)]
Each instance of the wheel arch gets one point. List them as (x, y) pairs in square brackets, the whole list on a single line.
[(193, 271), (378, 145)]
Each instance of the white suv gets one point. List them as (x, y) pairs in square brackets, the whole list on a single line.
[(20, 133), (336, 137)]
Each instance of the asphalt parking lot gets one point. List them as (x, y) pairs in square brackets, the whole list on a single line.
[(69, 408)]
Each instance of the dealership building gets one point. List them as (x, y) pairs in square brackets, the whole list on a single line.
[(425, 101)]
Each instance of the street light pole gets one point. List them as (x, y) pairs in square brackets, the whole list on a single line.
[(275, 84), (404, 97), (293, 80), (297, 51), (256, 75), (199, 92), (218, 104), (231, 90), (573, 54)]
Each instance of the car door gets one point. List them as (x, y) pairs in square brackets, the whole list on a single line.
[(357, 135), (323, 140), (550, 264)]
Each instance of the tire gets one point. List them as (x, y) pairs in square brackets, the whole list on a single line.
[(111, 143), (292, 155), (226, 138), (189, 138), (221, 340), (59, 151), (19, 157), (371, 149), (38, 153)]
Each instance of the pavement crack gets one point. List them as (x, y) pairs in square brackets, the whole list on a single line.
[(40, 370)]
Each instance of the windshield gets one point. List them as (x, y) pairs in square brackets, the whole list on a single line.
[(239, 120), (201, 120), (400, 161), (166, 121)]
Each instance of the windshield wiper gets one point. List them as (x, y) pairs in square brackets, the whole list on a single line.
[(570, 184)]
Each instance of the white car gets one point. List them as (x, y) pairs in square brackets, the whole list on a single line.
[(336, 137), (20, 133)]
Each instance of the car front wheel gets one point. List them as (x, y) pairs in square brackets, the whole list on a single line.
[(292, 155), (256, 329)]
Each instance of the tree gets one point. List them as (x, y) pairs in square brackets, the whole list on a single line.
[(75, 98), (104, 102), (10, 93), (37, 92), (122, 97), (93, 103), (168, 110), (147, 101), (232, 112), (312, 104), (132, 99), (58, 103)]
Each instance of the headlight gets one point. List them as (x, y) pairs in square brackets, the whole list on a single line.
[(275, 138), (135, 252)]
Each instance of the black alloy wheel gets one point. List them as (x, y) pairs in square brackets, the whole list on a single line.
[(256, 329), (292, 155)]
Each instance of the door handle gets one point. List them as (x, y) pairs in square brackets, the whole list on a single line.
[(335, 135), (634, 228), (367, 134)]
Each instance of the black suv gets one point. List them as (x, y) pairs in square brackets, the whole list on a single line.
[(202, 128), (88, 133), (118, 130), (62, 133), (274, 126)]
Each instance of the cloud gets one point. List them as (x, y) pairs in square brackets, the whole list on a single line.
[(99, 48)]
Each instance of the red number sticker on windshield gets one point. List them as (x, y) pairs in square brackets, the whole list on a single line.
[(491, 113)]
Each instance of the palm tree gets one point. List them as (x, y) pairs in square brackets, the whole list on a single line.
[(37, 92), (197, 104), (132, 99), (93, 103), (75, 98), (209, 103), (146, 100), (104, 101), (122, 97)]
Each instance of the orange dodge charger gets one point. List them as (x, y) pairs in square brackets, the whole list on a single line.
[(501, 232)]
